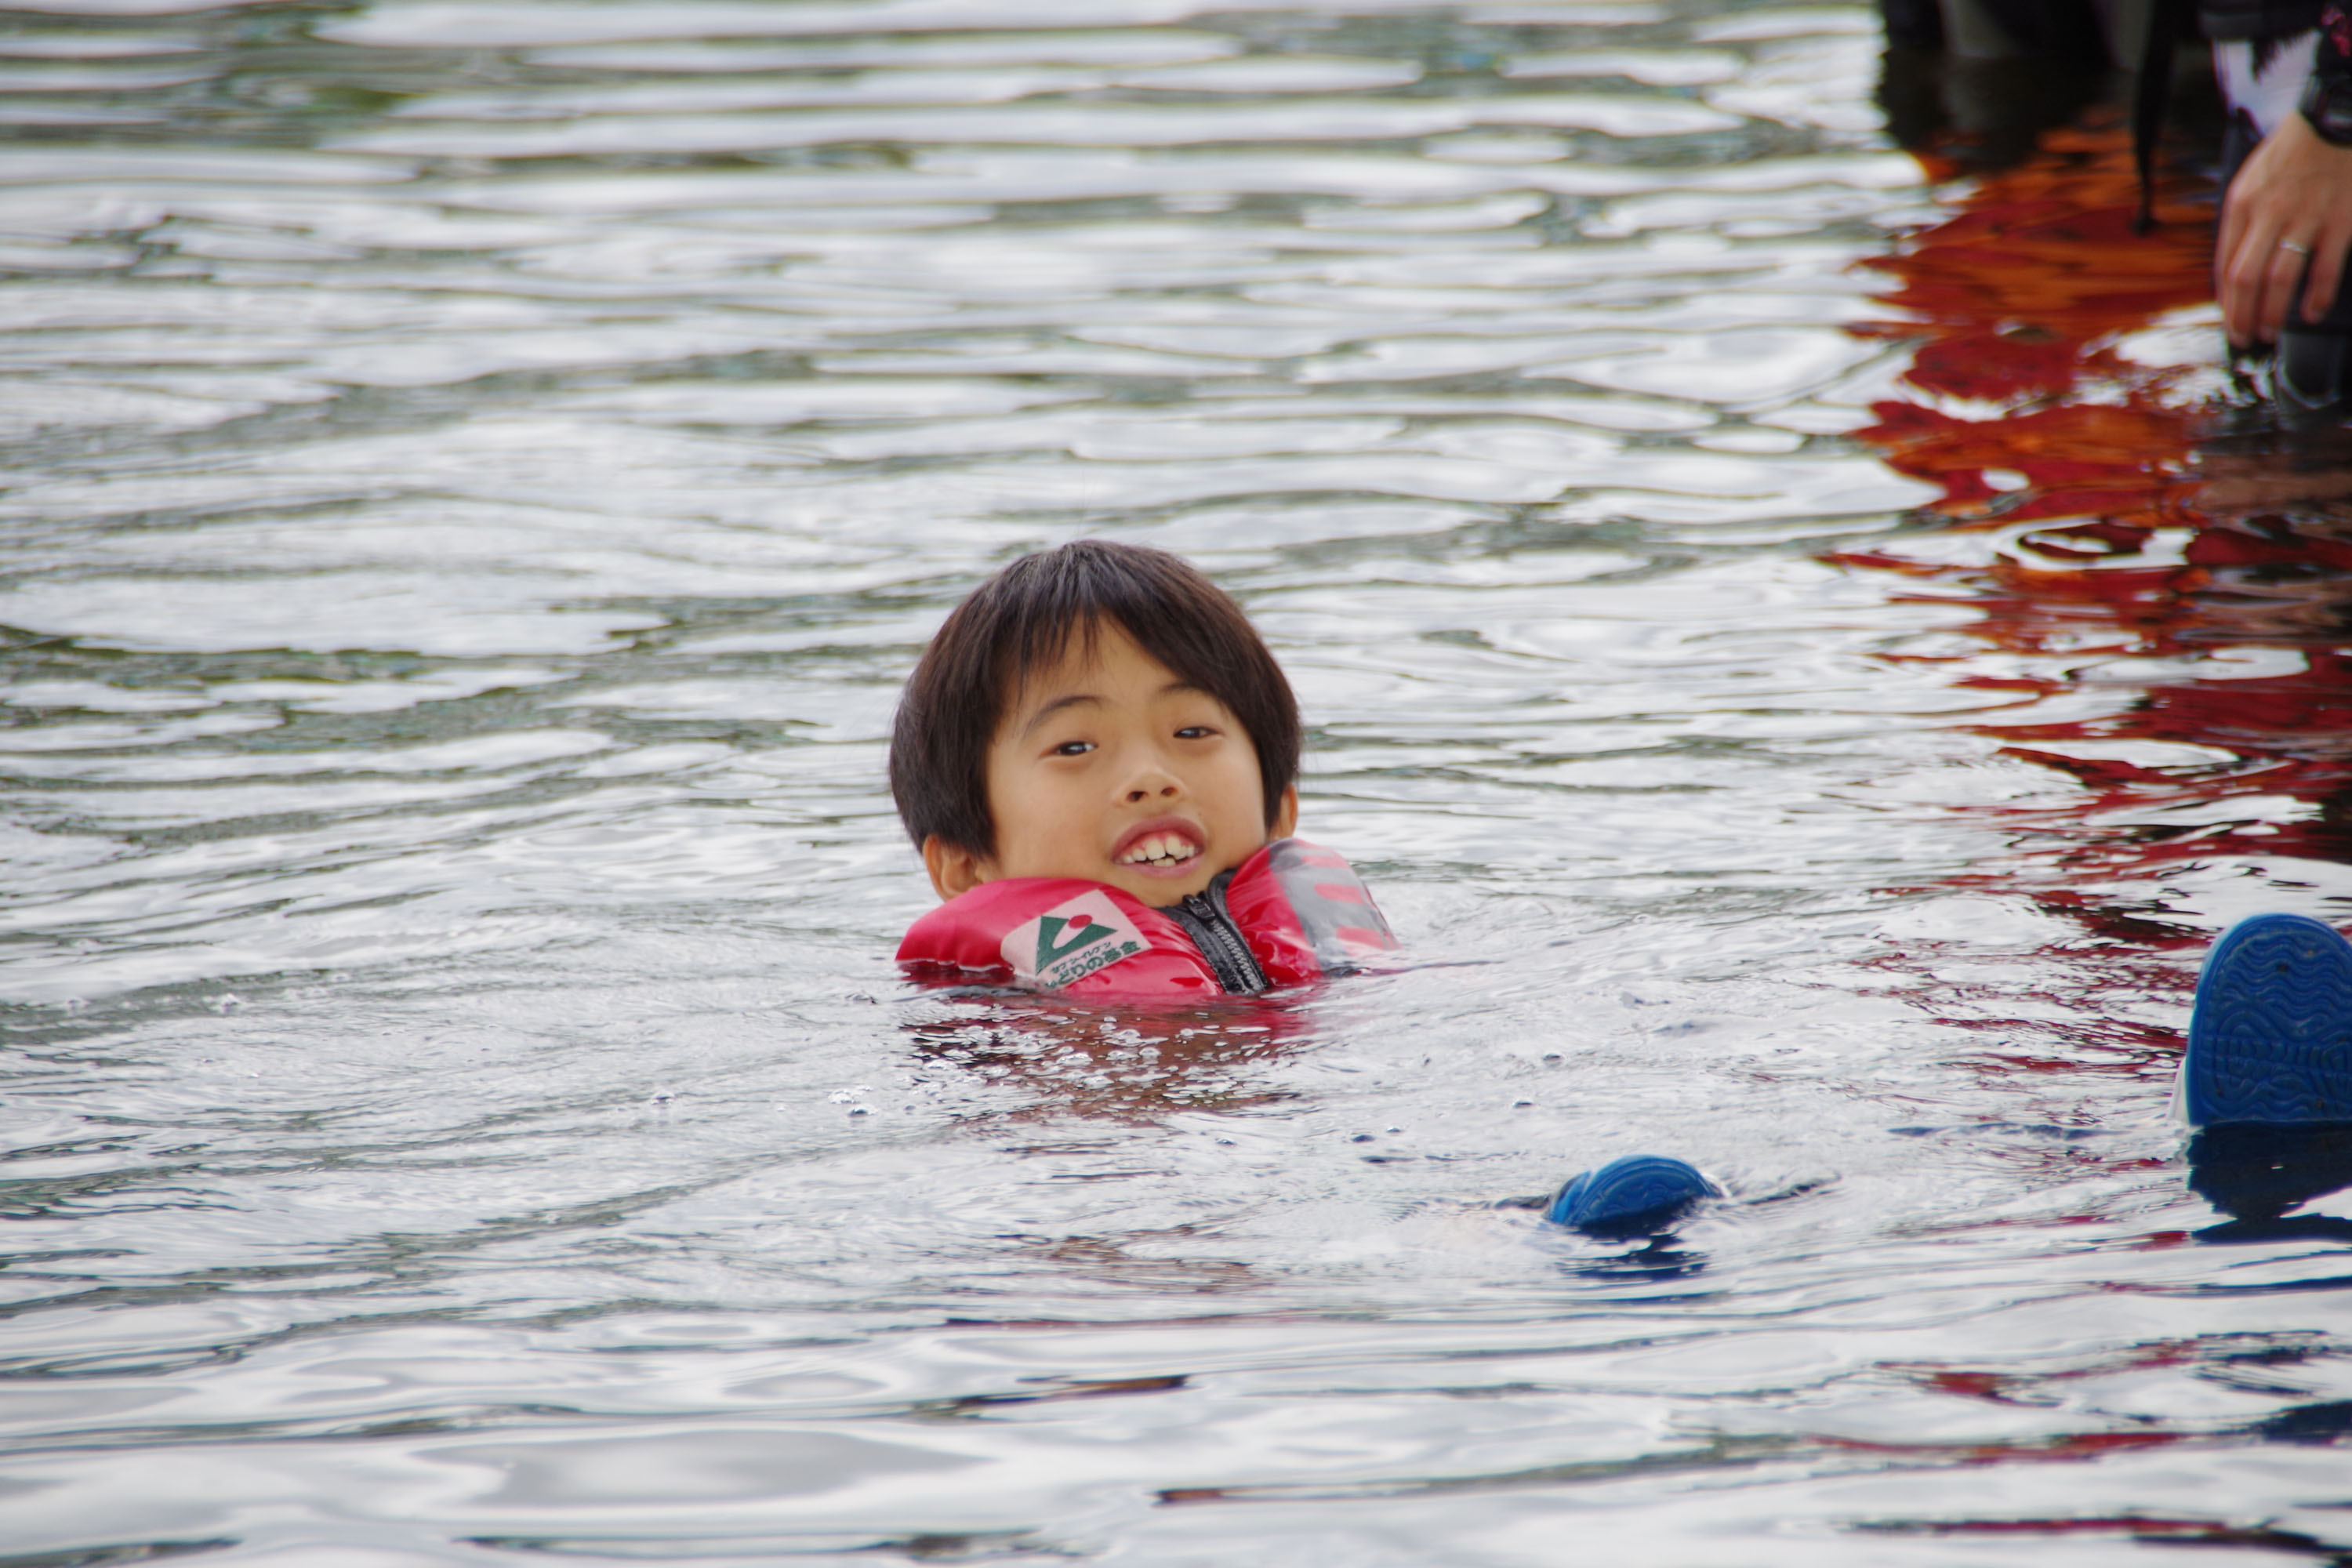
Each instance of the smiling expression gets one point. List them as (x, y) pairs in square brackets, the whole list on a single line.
[(1108, 766)]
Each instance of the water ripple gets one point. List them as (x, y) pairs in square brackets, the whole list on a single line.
[(1803, 653)]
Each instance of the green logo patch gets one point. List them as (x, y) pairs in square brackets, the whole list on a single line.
[(1084, 930), (1071, 940)]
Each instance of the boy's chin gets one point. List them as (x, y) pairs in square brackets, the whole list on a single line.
[(1160, 892)]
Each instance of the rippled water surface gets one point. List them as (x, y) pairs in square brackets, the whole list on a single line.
[(476, 474)]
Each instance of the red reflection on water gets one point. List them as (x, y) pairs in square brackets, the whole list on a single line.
[(2131, 1526), (2025, 410), (2022, 406), (2016, 300)]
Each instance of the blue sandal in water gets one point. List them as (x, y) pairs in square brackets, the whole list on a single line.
[(2270, 1038), (1638, 1194)]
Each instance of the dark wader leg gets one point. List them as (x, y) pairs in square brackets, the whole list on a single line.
[(2314, 359)]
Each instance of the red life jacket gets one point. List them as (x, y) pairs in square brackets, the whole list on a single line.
[(1290, 914)]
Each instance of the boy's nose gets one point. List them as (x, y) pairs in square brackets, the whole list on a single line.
[(1151, 780)]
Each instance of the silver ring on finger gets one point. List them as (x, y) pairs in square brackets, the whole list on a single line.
[(2290, 245)]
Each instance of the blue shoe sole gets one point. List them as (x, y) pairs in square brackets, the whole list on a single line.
[(2271, 1036), (1638, 1194)]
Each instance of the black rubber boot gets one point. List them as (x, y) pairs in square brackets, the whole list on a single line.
[(2313, 377)]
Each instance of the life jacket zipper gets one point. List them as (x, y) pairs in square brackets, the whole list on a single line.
[(1210, 925)]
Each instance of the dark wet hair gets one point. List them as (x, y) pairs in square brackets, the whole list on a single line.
[(1020, 621)]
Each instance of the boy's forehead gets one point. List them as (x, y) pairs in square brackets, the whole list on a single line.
[(1087, 649), (1086, 655)]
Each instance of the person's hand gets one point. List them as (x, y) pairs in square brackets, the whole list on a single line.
[(2290, 206)]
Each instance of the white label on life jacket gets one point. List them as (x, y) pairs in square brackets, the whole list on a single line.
[(1071, 940)]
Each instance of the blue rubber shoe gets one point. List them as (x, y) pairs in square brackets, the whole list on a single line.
[(1638, 1194), (2270, 1040)]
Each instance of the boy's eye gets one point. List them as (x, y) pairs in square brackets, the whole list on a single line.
[(1195, 732), (1074, 748)]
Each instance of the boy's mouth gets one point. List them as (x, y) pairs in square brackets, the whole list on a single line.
[(1159, 846)]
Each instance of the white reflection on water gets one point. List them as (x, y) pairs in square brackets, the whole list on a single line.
[(475, 477)]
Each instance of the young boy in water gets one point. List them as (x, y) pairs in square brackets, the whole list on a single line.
[(1099, 711), (1097, 756)]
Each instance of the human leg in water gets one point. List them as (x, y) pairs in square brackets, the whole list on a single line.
[(1636, 1195), (2286, 189)]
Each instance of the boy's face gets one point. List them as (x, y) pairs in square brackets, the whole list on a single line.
[(1109, 767)]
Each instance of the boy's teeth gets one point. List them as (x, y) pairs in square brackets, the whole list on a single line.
[(1159, 846)]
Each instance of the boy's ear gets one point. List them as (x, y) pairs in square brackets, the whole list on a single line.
[(954, 869), (1285, 820)]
